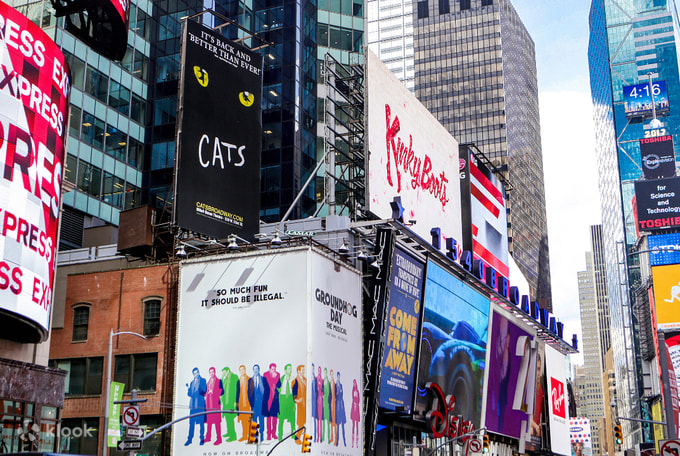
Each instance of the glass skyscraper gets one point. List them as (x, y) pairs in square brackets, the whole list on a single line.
[(475, 70), (630, 43), (105, 149)]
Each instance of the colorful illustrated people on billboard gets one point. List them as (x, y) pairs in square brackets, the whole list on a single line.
[(340, 416), (355, 414), (212, 402), (258, 392), (196, 393), (286, 401), (271, 403), (318, 381), (331, 404), (282, 406), (229, 402), (243, 401), (300, 394)]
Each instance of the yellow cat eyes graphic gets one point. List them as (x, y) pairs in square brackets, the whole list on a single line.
[(247, 99), (201, 76)]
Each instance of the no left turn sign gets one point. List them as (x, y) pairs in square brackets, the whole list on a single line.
[(670, 447), (131, 415)]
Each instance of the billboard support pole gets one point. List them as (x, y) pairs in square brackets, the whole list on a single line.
[(304, 187)]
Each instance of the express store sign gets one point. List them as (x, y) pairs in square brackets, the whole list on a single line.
[(34, 91)]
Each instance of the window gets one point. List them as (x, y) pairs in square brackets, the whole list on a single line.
[(81, 318), (116, 143), (113, 190), (74, 123), (89, 179), (79, 435), (444, 7), (422, 9), (135, 151), (97, 84), (487, 2), (152, 317), (464, 5), (16, 417), (84, 375), (133, 196), (136, 371)]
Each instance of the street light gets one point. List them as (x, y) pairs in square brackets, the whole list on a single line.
[(107, 411)]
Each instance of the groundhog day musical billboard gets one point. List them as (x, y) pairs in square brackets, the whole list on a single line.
[(277, 335), (219, 136), (411, 155), (34, 91)]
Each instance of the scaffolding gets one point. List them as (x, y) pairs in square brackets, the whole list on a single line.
[(344, 176)]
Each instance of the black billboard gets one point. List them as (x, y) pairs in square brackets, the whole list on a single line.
[(658, 203), (658, 157), (217, 187)]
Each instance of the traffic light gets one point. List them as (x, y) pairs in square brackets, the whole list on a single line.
[(485, 444), (618, 434), (306, 443), (253, 432)]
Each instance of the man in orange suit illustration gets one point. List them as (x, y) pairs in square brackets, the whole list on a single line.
[(300, 395), (243, 404)]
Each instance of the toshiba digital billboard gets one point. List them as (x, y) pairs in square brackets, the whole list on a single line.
[(34, 91), (411, 155), (658, 203), (638, 99), (277, 336), (658, 157), (217, 190)]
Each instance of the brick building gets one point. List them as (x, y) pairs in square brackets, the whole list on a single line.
[(101, 291)]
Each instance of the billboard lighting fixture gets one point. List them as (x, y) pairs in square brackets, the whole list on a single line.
[(232, 245), (181, 252), (362, 255), (343, 250), (276, 240)]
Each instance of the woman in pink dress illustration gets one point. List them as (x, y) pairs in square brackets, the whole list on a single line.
[(354, 414)]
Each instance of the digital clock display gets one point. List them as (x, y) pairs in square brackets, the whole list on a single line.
[(638, 99)]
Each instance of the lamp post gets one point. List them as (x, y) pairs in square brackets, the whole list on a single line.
[(107, 402)]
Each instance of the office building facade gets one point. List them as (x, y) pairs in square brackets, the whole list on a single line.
[(475, 70), (629, 44), (596, 341)]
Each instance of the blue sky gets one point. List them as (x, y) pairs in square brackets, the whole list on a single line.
[(560, 31)]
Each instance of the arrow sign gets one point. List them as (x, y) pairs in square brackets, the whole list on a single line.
[(131, 415), (124, 445), (669, 447), (134, 432)]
